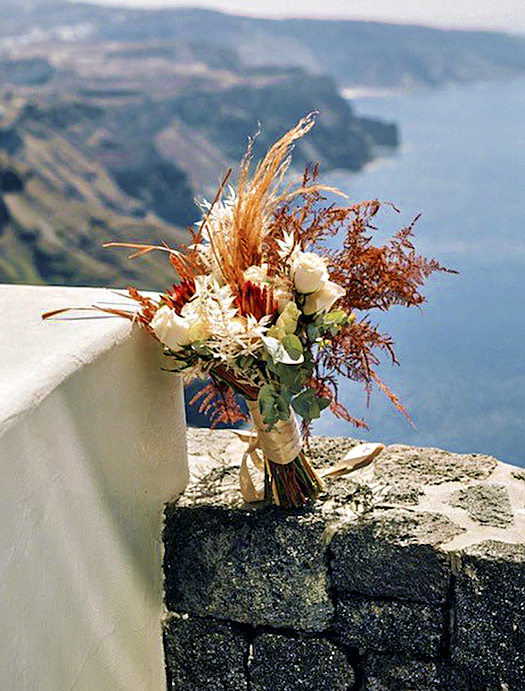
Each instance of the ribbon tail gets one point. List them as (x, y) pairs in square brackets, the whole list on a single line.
[(248, 490), (358, 457)]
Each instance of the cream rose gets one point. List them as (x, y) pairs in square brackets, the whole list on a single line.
[(171, 329), (256, 274), (308, 272), (197, 321), (323, 298), (282, 296)]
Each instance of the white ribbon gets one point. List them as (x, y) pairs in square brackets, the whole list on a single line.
[(282, 445), (283, 442), (358, 457)]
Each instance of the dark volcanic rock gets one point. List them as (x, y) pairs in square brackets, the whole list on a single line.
[(407, 628), (396, 674), (395, 554), (382, 133), (277, 103), (293, 663), (204, 655), (416, 607), (519, 474), (490, 612), (485, 504), (10, 140), (163, 187), (257, 566), (4, 213)]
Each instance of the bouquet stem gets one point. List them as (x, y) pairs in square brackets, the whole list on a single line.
[(288, 484), (291, 485), (289, 479)]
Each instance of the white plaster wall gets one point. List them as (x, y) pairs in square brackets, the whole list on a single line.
[(92, 444)]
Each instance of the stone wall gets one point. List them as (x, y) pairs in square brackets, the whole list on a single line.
[(407, 575)]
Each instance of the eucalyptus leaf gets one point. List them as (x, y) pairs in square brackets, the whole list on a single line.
[(279, 353), (312, 331), (293, 346), (336, 317), (201, 349), (272, 406), (291, 377), (309, 405)]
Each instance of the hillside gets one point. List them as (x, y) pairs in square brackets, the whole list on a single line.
[(56, 210), (357, 52), (113, 140), (352, 52), (113, 120)]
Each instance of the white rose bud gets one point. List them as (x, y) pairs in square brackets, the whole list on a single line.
[(171, 330), (323, 299), (288, 318), (308, 272)]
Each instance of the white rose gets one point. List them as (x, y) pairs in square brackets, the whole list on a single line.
[(308, 272), (282, 296), (323, 299), (196, 320), (171, 330), (256, 274)]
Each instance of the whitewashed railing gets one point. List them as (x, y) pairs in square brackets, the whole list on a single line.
[(92, 445)]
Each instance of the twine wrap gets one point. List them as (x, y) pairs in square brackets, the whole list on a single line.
[(283, 443)]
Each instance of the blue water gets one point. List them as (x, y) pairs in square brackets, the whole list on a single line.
[(462, 375)]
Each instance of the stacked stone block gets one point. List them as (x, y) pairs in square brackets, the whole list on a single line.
[(355, 592)]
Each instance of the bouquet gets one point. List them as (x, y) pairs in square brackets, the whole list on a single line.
[(271, 315)]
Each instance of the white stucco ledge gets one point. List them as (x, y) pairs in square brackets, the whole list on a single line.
[(92, 445)]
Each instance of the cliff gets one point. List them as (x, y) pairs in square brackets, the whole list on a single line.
[(57, 207), (352, 52), (115, 140), (139, 111)]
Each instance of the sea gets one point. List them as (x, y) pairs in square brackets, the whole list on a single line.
[(461, 165)]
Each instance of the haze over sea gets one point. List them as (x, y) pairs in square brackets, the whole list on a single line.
[(461, 165)]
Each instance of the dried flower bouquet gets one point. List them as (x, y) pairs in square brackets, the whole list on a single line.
[(272, 315)]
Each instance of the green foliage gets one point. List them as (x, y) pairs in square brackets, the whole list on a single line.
[(327, 324), (272, 406), (309, 405), (200, 349), (279, 353), (293, 346), (178, 364)]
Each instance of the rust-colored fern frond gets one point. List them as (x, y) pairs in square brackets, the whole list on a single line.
[(393, 398), (327, 388), (218, 401), (378, 277)]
